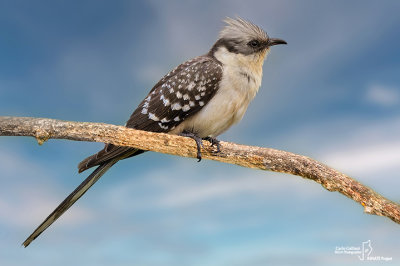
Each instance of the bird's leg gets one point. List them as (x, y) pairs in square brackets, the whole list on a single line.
[(198, 140), (213, 142)]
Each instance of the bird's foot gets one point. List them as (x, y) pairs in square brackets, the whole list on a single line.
[(199, 142), (213, 142)]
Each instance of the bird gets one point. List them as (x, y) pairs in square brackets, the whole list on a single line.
[(200, 99)]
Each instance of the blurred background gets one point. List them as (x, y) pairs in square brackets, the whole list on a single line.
[(333, 93)]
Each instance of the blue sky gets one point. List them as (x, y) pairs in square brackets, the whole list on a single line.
[(332, 93)]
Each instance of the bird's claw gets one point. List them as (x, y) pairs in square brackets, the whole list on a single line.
[(214, 142), (199, 142)]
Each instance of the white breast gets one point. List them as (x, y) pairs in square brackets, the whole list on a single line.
[(240, 83)]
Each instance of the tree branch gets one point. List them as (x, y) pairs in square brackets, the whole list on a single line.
[(248, 156)]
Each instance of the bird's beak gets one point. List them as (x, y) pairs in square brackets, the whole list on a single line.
[(275, 41)]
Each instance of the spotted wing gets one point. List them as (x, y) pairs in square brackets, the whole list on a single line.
[(178, 95)]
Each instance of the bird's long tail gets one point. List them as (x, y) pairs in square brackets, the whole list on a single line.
[(71, 199)]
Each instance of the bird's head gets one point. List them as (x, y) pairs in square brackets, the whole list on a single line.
[(244, 41)]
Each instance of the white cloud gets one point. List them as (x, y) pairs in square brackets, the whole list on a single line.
[(383, 95), (356, 145), (29, 193), (367, 159), (353, 145), (28, 212), (220, 188)]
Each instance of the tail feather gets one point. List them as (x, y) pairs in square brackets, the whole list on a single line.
[(109, 152), (71, 199)]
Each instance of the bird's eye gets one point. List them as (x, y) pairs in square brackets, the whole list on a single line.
[(254, 43)]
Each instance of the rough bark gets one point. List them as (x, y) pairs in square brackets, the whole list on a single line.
[(247, 156)]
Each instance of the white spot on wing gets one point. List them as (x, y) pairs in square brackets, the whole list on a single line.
[(166, 102), (191, 86), (191, 103), (186, 108), (162, 126), (153, 117), (144, 111), (186, 97), (197, 97), (178, 94), (177, 118), (201, 103), (176, 106)]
